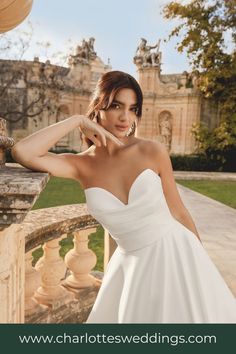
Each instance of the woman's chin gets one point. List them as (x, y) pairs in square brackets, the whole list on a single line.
[(119, 134)]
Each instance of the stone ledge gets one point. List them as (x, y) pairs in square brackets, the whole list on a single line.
[(19, 190), (46, 224)]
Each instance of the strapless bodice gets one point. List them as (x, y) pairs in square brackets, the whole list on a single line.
[(158, 259), (141, 221)]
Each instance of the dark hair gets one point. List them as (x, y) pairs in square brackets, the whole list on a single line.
[(107, 87)]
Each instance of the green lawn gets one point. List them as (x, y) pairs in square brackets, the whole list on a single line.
[(223, 191), (61, 191)]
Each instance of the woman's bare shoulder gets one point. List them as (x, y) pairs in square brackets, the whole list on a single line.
[(151, 147), (84, 156)]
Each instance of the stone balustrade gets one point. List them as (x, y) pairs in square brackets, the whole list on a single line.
[(19, 189), (58, 290), (54, 290)]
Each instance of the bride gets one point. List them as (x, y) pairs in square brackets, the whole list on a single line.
[(160, 272)]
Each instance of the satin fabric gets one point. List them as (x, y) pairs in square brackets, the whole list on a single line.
[(160, 272)]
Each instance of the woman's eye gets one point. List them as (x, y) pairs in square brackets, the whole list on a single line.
[(115, 106), (134, 110)]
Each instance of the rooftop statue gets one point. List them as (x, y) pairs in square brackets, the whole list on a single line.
[(144, 55), (84, 52)]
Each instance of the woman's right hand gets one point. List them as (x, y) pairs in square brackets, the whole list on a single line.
[(96, 133)]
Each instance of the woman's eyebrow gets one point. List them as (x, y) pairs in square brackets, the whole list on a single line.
[(117, 101)]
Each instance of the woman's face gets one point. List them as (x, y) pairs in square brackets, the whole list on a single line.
[(119, 117)]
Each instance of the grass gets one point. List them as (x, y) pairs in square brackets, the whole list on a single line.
[(222, 191), (62, 191), (96, 244)]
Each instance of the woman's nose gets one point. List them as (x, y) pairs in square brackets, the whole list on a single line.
[(125, 114)]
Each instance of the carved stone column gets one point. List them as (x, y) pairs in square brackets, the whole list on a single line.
[(32, 282), (12, 274), (80, 261), (52, 269), (19, 189)]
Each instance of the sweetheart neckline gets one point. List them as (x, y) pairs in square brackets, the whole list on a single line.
[(129, 192)]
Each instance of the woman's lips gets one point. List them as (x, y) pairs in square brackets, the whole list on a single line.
[(121, 128)]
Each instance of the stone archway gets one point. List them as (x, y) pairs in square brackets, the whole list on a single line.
[(62, 113), (165, 123)]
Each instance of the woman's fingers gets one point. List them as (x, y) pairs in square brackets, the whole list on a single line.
[(104, 134), (114, 138), (103, 137), (95, 140), (97, 134)]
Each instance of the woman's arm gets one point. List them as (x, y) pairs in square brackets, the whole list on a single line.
[(32, 151), (38, 143), (173, 199)]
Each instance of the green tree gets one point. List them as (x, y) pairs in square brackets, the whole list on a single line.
[(207, 30)]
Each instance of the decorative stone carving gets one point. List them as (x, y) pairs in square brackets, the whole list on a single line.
[(144, 55), (32, 282), (80, 261), (165, 128), (52, 270), (43, 225), (84, 52)]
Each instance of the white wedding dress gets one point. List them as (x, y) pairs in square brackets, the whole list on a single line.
[(160, 272)]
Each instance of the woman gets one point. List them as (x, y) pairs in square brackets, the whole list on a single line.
[(159, 273)]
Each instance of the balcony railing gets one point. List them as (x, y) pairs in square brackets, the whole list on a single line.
[(55, 290), (58, 290)]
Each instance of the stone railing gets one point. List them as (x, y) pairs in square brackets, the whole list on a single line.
[(58, 290), (55, 290)]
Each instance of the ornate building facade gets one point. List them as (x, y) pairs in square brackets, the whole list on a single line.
[(48, 93), (172, 103)]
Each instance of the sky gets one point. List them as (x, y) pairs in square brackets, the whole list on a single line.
[(116, 25)]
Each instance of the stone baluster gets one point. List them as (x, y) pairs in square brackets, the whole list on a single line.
[(32, 282), (52, 270), (12, 275), (19, 190), (81, 260)]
